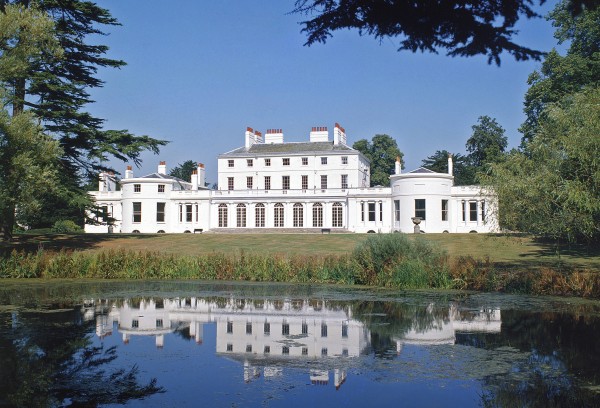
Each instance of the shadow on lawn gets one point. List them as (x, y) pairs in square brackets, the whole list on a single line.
[(57, 242), (552, 253)]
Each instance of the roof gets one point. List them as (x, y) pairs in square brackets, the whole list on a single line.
[(163, 176), (422, 170), (291, 148)]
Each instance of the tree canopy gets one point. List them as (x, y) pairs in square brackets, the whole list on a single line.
[(561, 76), (487, 142), (184, 170), (460, 27), (464, 174), (382, 151)]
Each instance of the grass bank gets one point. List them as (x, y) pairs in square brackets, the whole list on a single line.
[(385, 260)]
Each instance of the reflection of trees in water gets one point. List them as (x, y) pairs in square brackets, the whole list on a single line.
[(48, 360)]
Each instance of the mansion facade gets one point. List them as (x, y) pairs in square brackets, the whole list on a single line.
[(267, 184)]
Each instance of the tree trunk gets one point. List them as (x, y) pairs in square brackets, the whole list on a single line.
[(18, 102), (7, 222)]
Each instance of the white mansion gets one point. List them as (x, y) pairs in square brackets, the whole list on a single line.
[(320, 185)]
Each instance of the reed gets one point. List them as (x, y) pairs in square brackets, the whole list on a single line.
[(383, 260)]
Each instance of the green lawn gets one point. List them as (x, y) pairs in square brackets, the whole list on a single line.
[(502, 249)]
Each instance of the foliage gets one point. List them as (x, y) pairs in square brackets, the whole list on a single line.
[(487, 142), (562, 76), (382, 152), (464, 174), (54, 86), (65, 227), (184, 170), (462, 28), (553, 188)]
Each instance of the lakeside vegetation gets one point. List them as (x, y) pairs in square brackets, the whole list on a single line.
[(513, 264)]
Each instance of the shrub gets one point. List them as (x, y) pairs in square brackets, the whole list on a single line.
[(66, 227)]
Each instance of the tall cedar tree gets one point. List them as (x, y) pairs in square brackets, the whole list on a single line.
[(382, 152), (56, 90), (463, 28)]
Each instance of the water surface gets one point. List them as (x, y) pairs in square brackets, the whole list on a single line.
[(225, 344)]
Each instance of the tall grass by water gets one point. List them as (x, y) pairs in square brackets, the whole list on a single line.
[(382, 260)]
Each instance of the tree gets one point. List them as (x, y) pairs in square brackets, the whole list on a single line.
[(554, 188), (29, 160), (562, 76), (184, 170), (487, 142), (382, 152), (55, 89), (463, 28), (464, 174)]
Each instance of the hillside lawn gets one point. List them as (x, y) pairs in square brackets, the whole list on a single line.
[(513, 251)]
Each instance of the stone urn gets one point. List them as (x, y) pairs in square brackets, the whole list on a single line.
[(416, 221)]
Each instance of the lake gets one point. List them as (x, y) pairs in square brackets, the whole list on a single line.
[(192, 343)]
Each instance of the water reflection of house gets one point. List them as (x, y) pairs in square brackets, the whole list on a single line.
[(443, 330)]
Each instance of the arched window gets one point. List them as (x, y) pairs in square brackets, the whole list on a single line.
[(259, 219), (337, 215), (241, 215), (222, 215), (298, 215), (317, 215), (278, 216)]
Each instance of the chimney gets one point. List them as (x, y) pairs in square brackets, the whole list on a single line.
[(162, 167), (251, 137), (274, 136), (450, 165), (398, 169), (319, 134), (102, 182), (128, 173), (111, 181), (339, 135), (194, 180), (201, 175)]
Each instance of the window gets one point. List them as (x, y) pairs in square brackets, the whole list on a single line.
[(267, 349), (344, 329), (159, 323), (267, 162), (344, 159), (104, 213), (482, 205), (229, 183), (298, 215), (248, 327), (324, 351), (249, 162), (362, 212), (305, 351), (286, 161), (371, 211), (305, 161), (337, 215), (267, 182), (229, 327), (317, 215), (222, 215), (380, 211), (472, 211), (323, 329), (304, 182), (196, 212), (180, 212), (248, 348), (259, 220), (285, 350), (137, 188), (278, 215), (344, 181), (240, 213), (285, 182), (249, 180), (304, 327), (137, 212), (285, 328), (135, 323), (323, 160), (229, 163), (464, 211), (267, 328), (420, 208), (396, 210), (161, 188), (344, 352), (188, 213), (444, 210), (229, 347), (323, 182)]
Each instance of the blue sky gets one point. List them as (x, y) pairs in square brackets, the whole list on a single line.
[(199, 73)]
